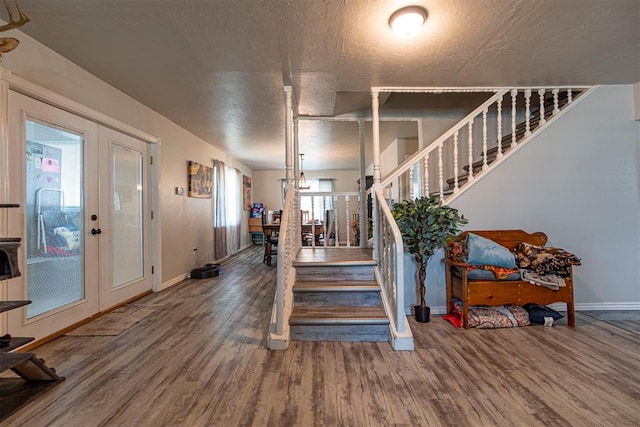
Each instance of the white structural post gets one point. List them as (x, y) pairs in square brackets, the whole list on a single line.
[(363, 188), (375, 105), (296, 153), (288, 140)]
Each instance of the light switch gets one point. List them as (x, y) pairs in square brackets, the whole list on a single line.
[(179, 191)]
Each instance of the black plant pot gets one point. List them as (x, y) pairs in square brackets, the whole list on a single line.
[(421, 314)]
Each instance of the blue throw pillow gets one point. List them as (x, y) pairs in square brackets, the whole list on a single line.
[(483, 251)]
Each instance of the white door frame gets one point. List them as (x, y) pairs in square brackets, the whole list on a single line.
[(10, 81)]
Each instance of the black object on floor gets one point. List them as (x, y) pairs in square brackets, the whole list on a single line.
[(206, 272)]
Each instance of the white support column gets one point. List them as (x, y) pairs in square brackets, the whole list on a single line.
[(375, 105), (288, 140), (420, 168), (296, 154), (363, 187)]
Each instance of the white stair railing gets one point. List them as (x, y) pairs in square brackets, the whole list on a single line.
[(288, 246), (480, 140), (333, 220), (390, 272)]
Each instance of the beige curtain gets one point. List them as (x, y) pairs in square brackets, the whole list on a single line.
[(219, 210)]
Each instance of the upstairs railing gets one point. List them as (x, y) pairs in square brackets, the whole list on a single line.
[(288, 245), (486, 135), (332, 218)]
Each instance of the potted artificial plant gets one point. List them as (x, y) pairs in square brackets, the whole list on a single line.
[(426, 225)]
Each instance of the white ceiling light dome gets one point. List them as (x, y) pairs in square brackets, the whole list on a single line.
[(407, 21)]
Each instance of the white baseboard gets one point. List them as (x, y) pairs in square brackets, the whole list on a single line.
[(599, 306), (560, 306)]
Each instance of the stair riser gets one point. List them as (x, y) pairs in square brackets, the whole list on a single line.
[(327, 299), (346, 273), (340, 332)]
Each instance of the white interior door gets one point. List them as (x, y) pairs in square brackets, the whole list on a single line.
[(53, 155), (83, 217), (125, 255)]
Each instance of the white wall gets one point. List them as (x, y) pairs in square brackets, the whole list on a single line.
[(186, 222), (577, 182)]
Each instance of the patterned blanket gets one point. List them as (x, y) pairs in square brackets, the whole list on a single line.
[(545, 260)]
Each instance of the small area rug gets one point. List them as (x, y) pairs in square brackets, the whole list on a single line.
[(115, 322)]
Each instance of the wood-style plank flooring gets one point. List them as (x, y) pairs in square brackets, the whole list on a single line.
[(201, 361)]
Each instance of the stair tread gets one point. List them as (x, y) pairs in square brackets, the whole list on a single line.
[(336, 286), (338, 313)]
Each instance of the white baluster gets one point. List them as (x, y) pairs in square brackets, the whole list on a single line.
[(484, 139), (470, 151), (499, 117), (346, 204), (336, 233), (569, 96), (527, 112), (541, 98), (514, 95), (455, 162), (556, 109), (326, 223), (426, 175), (411, 182), (440, 172), (313, 223)]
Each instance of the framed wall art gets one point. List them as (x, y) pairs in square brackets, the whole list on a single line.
[(200, 180), (246, 192)]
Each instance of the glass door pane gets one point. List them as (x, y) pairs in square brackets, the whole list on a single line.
[(127, 216), (54, 180)]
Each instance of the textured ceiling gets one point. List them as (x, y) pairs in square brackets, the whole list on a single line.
[(217, 68)]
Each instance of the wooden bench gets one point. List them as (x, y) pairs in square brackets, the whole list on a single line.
[(500, 292)]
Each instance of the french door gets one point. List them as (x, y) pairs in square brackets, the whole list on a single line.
[(84, 208)]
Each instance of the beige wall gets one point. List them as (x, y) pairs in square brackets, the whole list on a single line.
[(266, 184), (186, 222)]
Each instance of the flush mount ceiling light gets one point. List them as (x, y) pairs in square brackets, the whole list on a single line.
[(407, 21)]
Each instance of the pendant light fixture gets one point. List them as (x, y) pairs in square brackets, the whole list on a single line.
[(302, 182)]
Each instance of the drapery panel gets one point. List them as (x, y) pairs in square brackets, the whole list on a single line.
[(234, 209), (227, 209)]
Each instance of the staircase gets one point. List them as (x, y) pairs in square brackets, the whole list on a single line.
[(510, 140), (336, 297)]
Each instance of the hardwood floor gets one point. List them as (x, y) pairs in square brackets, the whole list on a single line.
[(201, 360)]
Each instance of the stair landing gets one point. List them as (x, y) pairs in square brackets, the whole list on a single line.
[(328, 257)]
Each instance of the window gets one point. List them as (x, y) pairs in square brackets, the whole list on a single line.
[(318, 204)]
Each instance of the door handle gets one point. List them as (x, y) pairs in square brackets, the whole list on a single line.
[(95, 231)]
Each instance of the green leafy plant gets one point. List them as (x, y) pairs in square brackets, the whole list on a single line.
[(426, 226)]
